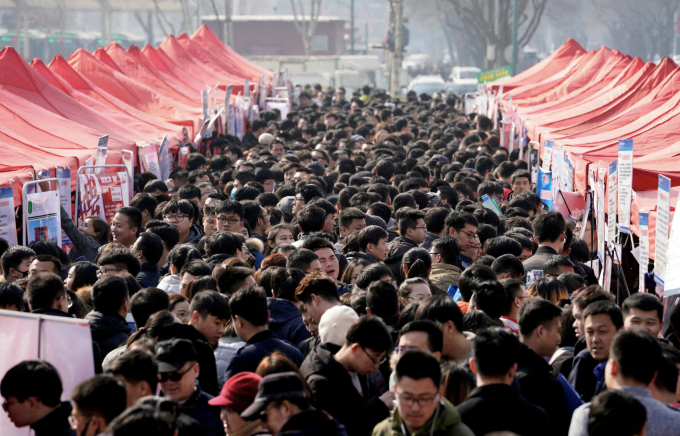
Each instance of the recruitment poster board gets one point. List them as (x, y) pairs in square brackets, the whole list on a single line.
[(102, 145), (128, 159), (66, 343), (43, 218), (8, 225), (644, 248), (611, 200), (103, 194), (625, 183), (148, 160), (547, 156), (544, 188), (165, 159), (663, 211), (183, 156), (672, 277), (64, 187)]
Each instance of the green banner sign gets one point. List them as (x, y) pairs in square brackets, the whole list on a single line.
[(490, 76)]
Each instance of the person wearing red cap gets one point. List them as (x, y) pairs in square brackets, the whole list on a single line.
[(236, 396)]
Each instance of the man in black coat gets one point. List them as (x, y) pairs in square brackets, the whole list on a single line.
[(107, 320), (549, 231), (539, 329), (412, 229), (495, 354), (340, 381)]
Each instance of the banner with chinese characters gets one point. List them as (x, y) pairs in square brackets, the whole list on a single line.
[(8, 226), (43, 217), (64, 184), (103, 194), (625, 179)]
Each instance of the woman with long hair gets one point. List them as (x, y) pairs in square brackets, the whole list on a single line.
[(549, 289), (417, 262), (92, 234), (280, 234)]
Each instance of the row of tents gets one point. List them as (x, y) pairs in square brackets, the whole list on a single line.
[(585, 101), (52, 115)]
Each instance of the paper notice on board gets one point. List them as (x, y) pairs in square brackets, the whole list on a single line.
[(102, 145), (547, 156), (44, 217), (644, 248), (128, 159), (544, 188), (533, 162), (88, 163), (672, 277), (557, 170), (204, 99), (64, 187), (601, 227), (567, 175), (8, 226), (611, 206), (625, 182), (103, 194), (149, 156), (183, 156), (663, 211), (165, 159)]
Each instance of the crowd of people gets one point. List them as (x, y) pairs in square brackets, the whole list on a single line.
[(336, 273)]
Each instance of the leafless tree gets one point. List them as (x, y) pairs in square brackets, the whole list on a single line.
[(306, 23), (479, 23)]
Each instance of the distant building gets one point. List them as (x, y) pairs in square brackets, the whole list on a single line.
[(258, 35)]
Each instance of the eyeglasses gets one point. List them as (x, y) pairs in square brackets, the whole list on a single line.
[(419, 297), (175, 218), (103, 271), (422, 401), (434, 254), (173, 376), (229, 220), (379, 362), (423, 227), (471, 235)]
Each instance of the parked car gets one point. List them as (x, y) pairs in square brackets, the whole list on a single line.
[(426, 85)]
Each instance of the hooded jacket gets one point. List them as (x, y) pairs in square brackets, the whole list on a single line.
[(354, 255), (285, 321), (443, 275), (446, 421), (108, 331), (335, 393), (259, 346), (429, 239), (55, 423), (195, 235), (312, 423), (395, 252), (170, 284)]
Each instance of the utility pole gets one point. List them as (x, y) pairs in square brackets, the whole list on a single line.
[(351, 27), (513, 68), (228, 24), (398, 47)]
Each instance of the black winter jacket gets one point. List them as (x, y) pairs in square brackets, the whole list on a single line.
[(108, 331), (55, 423), (395, 253), (198, 408)]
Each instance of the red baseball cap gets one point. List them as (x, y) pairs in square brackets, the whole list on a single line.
[(238, 392)]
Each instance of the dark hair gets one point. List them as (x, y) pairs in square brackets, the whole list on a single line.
[(458, 221), (317, 242), (122, 259), (109, 294), (372, 273), (168, 234), (181, 206), (508, 263), (252, 211), (197, 285), (301, 259), (571, 281), (348, 215), (231, 279), (230, 206), (371, 235), (151, 246), (188, 191), (579, 250), (549, 289), (11, 295), (637, 354), (285, 281), (418, 262), (136, 366), (251, 305), (33, 378), (553, 264), (448, 248), (520, 173), (548, 226), (467, 283), (145, 202), (223, 243), (605, 308), (181, 254), (568, 331), (101, 395), (667, 374), (418, 365), (435, 337), (590, 295), (495, 351), (43, 289), (491, 298), (311, 218), (616, 413), (408, 219), (502, 245), (441, 309), (134, 217), (382, 299), (196, 268), (403, 200), (56, 268), (370, 332), (643, 302), (147, 302), (537, 312), (210, 303), (195, 161), (318, 284), (12, 258)]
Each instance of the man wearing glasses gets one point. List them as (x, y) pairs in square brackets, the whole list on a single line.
[(463, 227), (229, 216), (178, 371), (180, 215), (420, 407), (341, 381)]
